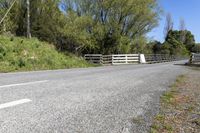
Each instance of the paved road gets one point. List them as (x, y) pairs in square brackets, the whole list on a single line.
[(93, 100)]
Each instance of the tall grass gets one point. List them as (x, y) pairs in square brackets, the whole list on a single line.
[(21, 54)]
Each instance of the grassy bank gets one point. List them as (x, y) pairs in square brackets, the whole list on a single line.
[(180, 107), (21, 54)]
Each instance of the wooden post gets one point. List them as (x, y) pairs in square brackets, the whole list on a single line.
[(126, 56), (112, 58), (191, 58)]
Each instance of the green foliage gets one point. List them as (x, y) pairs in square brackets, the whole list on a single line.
[(87, 26), (196, 48), (189, 40), (140, 46), (178, 43), (75, 36), (93, 26), (8, 24), (156, 47), (23, 54), (175, 46)]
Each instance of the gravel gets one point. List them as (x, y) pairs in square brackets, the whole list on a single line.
[(113, 99)]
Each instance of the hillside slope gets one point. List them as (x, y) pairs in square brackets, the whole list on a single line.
[(21, 54)]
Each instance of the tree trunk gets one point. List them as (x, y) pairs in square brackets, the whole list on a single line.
[(4, 27), (28, 18)]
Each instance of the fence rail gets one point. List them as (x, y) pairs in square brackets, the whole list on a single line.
[(158, 58), (125, 59), (106, 59), (94, 58), (113, 59), (130, 58), (195, 58)]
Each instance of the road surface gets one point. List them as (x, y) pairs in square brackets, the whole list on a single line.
[(93, 100)]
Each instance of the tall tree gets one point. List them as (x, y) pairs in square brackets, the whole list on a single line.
[(168, 25), (116, 22), (176, 46), (37, 18), (95, 26), (189, 40), (182, 28)]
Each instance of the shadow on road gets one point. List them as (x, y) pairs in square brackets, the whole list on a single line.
[(188, 64)]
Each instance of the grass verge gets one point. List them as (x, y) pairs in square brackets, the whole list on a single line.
[(21, 54), (180, 107)]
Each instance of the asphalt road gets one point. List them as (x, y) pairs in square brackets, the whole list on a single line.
[(92, 100)]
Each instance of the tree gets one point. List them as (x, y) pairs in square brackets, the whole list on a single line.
[(189, 40), (46, 20), (86, 26), (8, 5), (116, 21), (169, 25), (183, 30), (182, 25), (28, 18), (157, 47), (196, 48), (43, 22), (5, 7), (75, 36), (175, 44)]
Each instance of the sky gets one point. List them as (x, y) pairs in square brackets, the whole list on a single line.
[(189, 10)]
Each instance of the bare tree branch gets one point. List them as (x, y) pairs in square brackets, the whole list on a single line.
[(169, 25)]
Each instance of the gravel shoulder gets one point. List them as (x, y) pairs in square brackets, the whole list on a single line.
[(180, 106)]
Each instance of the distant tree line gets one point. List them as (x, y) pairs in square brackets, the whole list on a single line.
[(177, 42), (95, 26)]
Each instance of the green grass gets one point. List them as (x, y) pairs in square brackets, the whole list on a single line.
[(167, 97), (21, 54), (167, 100)]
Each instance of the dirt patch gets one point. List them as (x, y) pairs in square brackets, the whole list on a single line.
[(180, 107)]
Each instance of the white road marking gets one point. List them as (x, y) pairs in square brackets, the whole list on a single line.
[(21, 84), (14, 103)]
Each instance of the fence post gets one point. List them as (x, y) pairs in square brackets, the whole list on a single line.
[(101, 59), (112, 58), (142, 59), (191, 58), (126, 57)]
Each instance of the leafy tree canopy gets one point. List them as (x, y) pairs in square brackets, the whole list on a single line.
[(86, 26), (178, 46)]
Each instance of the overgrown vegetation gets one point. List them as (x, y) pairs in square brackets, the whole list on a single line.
[(96, 26), (179, 111), (85, 26), (21, 54)]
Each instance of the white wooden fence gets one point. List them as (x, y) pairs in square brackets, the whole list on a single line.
[(125, 59), (133, 58), (113, 59), (195, 58)]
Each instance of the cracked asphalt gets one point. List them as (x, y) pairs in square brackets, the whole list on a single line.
[(93, 100)]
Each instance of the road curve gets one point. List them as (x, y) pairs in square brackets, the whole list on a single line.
[(92, 100)]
